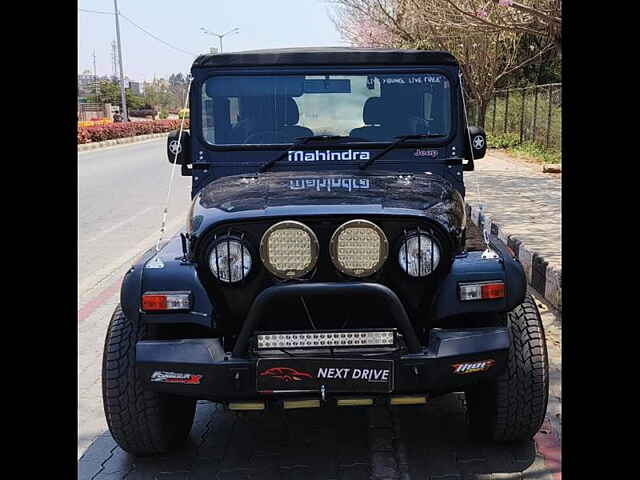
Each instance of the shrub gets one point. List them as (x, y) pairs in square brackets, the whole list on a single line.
[(504, 140), (531, 150), (99, 133)]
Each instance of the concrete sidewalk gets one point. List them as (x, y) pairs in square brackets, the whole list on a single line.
[(523, 205)]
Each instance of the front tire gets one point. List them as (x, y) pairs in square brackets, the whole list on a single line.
[(141, 422), (512, 408)]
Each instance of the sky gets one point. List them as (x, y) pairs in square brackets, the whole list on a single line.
[(262, 24)]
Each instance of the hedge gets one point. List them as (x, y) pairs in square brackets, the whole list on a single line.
[(99, 133)]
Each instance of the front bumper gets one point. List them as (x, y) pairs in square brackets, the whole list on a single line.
[(434, 369)]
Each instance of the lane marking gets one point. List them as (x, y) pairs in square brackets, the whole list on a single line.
[(94, 280), (118, 225)]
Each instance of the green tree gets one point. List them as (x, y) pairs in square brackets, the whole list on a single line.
[(109, 92)]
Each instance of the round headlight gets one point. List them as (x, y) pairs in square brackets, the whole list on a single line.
[(358, 248), (229, 260), (419, 254), (289, 249)]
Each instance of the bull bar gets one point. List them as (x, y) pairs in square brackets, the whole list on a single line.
[(228, 376)]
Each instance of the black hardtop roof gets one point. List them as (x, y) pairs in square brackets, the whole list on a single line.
[(325, 56)]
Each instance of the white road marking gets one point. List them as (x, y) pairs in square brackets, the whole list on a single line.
[(98, 277), (118, 225)]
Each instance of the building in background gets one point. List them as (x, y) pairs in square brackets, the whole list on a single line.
[(86, 85), (136, 88)]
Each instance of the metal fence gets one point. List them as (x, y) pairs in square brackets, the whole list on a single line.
[(534, 114), (91, 111)]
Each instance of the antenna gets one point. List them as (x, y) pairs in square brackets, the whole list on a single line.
[(173, 168)]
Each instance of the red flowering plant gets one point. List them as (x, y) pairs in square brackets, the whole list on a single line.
[(99, 133)]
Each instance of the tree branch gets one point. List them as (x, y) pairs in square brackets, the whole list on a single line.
[(526, 62)]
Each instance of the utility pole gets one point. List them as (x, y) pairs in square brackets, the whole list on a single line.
[(95, 75), (123, 98)]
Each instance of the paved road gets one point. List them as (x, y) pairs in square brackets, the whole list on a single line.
[(121, 193), (427, 442), (524, 200)]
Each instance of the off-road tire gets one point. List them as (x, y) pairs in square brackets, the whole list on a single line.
[(512, 408), (141, 422)]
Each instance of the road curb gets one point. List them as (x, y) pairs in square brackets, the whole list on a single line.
[(544, 278), (119, 141)]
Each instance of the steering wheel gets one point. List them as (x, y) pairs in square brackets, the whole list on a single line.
[(266, 136)]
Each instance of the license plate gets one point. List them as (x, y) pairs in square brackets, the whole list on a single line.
[(336, 374)]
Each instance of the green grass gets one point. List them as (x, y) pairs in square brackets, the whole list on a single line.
[(529, 150)]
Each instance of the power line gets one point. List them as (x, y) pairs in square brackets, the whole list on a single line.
[(95, 11), (159, 39), (145, 31)]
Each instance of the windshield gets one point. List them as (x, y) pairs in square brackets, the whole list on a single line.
[(279, 109)]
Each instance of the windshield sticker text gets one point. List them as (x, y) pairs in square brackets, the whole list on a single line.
[(317, 155), (414, 80), (329, 184)]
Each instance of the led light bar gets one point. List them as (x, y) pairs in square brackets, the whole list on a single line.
[(160, 301), (482, 290), (316, 339)]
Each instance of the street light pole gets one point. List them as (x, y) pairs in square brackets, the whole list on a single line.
[(220, 35), (123, 98)]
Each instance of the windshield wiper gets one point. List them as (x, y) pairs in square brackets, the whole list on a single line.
[(268, 164), (400, 139)]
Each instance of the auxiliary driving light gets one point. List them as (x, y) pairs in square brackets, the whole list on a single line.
[(289, 249), (229, 259), (160, 301), (419, 254), (408, 400), (380, 338), (246, 405), (354, 402), (304, 403), (358, 248), (482, 290)]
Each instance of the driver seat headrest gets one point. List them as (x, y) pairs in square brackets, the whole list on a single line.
[(290, 115), (373, 111)]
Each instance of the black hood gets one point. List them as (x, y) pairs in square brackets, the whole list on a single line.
[(289, 194)]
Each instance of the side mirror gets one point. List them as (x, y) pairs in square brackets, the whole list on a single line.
[(478, 144), (183, 149)]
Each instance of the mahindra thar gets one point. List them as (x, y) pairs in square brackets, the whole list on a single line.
[(324, 259)]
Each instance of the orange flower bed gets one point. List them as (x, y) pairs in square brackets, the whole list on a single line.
[(91, 123)]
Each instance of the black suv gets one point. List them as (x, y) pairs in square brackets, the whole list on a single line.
[(324, 259)]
